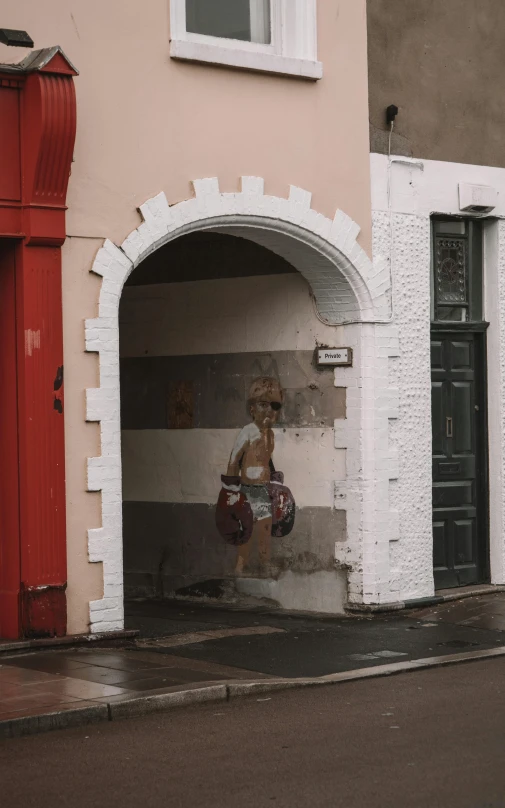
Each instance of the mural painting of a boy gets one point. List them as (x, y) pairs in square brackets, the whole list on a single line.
[(254, 505)]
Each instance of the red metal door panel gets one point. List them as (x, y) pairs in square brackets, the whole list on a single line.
[(9, 478), (38, 120), (10, 170), (41, 441)]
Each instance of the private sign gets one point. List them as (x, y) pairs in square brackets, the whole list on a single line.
[(334, 356)]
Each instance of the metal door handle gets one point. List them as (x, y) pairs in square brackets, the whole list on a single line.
[(448, 427)]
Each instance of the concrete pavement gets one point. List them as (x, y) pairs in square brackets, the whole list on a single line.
[(191, 652), (433, 739), (301, 645)]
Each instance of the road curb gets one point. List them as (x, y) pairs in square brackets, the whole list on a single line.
[(144, 705), (35, 724), (162, 702), (113, 638)]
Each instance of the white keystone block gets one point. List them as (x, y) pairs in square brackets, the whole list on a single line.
[(156, 214), (103, 470), (134, 245), (94, 404), (300, 197), (236, 204), (96, 541), (105, 603), (184, 213), (106, 615), (206, 187), (363, 265), (103, 628), (318, 224), (113, 587), (339, 227), (345, 231), (110, 261), (354, 254), (150, 237), (94, 481), (254, 186), (271, 206)]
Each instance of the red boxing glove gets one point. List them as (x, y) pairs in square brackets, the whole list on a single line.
[(234, 516), (283, 505)]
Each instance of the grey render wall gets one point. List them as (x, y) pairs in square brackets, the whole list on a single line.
[(442, 62), (185, 374)]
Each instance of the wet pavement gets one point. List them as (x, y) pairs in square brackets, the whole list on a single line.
[(54, 680), (308, 646), (485, 612), (183, 645)]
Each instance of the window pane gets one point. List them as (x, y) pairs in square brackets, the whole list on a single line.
[(451, 270), (247, 20), (453, 315), (455, 227)]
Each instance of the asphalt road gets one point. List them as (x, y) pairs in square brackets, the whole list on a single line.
[(434, 739)]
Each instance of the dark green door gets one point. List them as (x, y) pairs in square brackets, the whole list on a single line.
[(459, 501)]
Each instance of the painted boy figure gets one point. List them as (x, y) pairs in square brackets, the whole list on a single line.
[(254, 505)]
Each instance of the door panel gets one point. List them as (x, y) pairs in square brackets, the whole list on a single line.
[(437, 414), (461, 356), (463, 413), (440, 545), (10, 564), (459, 515)]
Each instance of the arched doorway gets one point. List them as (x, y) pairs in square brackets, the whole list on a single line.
[(210, 324), (286, 236)]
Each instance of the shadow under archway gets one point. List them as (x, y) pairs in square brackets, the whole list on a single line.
[(200, 319)]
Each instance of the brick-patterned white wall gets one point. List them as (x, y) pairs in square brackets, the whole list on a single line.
[(404, 195), (371, 464), (411, 555), (346, 287)]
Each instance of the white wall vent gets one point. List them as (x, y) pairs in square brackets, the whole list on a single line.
[(477, 198)]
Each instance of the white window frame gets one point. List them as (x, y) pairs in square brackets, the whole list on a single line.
[(291, 52)]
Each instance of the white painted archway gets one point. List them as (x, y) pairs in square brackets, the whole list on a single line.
[(347, 288)]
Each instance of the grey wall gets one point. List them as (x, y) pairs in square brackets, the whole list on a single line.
[(170, 546), (209, 391), (442, 62)]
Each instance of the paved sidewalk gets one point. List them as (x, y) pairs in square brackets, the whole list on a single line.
[(195, 652)]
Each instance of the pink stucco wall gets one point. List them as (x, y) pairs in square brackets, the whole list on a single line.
[(147, 123)]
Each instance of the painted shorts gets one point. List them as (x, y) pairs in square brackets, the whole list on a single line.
[(259, 500)]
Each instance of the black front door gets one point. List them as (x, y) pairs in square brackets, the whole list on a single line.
[(459, 458)]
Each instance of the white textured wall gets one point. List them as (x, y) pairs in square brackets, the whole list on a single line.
[(411, 557), (418, 189)]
